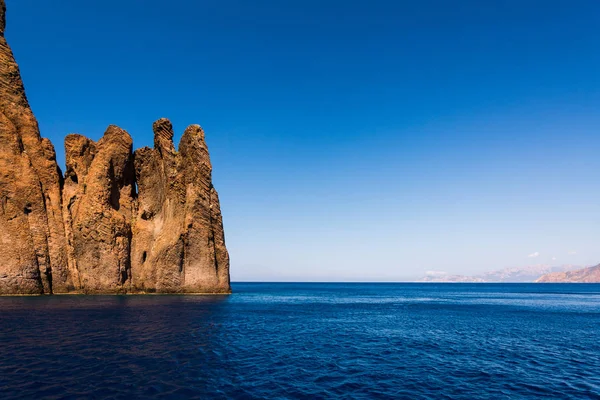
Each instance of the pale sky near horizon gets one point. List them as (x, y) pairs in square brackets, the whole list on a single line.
[(350, 140)]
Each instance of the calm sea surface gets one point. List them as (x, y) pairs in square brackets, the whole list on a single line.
[(307, 341)]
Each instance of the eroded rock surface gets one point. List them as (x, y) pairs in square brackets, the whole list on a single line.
[(178, 208), (32, 239), (98, 209), (90, 232)]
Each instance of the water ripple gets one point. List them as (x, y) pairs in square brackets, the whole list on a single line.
[(307, 341)]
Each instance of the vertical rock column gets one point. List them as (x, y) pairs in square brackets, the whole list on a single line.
[(32, 237), (178, 243), (206, 260), (98, 201)]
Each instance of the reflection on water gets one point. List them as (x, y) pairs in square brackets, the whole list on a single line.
[(307, 341)]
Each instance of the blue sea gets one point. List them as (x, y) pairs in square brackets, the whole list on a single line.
[(307, 341)]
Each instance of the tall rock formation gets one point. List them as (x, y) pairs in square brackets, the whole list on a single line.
[(178, 209), (32, 239), (90, 232), (99, 204)]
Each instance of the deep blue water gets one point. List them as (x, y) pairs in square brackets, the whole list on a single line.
[(307, 341)]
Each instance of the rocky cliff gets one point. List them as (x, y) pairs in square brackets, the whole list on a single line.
[(584, 275), (92, 231), (178, 242)]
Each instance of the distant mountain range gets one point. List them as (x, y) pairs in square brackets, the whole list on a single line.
[(532, 273), (584, 275)]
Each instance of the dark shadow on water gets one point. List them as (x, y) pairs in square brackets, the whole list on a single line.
[(101, 346)]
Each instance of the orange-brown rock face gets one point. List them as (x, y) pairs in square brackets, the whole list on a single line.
[(178, 242), (90, 232), (98, 208), (32, 239)]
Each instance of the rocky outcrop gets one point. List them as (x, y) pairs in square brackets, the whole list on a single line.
[(585, 275), (177, 208), (32, 239), (99, 204), (89, 231)]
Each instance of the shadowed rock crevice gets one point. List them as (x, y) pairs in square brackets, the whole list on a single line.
[(118, 221), (100, 209)]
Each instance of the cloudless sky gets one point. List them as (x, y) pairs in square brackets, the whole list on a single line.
[(350, 140)]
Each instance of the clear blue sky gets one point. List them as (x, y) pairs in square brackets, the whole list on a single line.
[(350, 140)]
